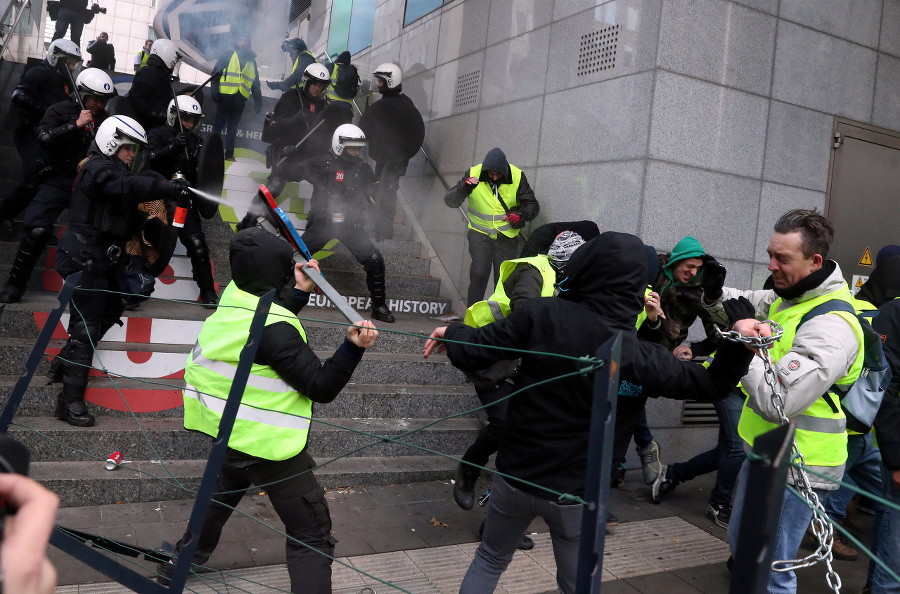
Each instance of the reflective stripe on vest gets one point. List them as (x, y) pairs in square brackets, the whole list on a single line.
[(821, 433), (273, 419), (331, 93), (485, 211), (299, 84), (496, 307), (235, 80)]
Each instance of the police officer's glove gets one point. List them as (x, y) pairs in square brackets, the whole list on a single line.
[(738, 309), (713, 279), (289, 150), (273, 85), (470, 184), (182, 139), (178, 190), (158, 115)]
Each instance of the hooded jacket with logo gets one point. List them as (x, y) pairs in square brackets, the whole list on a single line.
[(681, 301), (547, 427)]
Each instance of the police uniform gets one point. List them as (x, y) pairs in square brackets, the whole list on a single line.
[(39, 88), (166, 157), (150, 93), (63, 144)]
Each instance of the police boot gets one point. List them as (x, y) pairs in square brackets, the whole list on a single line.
[(203, 275), (374, 266), (73, 412), (464, 487), (30, 248)]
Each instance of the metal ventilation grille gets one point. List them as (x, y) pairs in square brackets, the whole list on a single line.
[(298, 7), (467, 89), (699, 413), (598, 51)]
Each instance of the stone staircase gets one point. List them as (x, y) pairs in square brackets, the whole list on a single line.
[(392, 391)]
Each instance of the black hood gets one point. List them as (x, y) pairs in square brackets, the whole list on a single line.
[(260, 261), (883, 284), (608, 275), (343, 58), (495, 160)]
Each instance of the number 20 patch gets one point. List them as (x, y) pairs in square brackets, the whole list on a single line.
[(339, 176)]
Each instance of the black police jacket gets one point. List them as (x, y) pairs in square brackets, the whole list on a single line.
[(339, 186), (167, 158), (151, 91), (394, 129), (296, 114), (104, 209), (39, 88), (63, 143)]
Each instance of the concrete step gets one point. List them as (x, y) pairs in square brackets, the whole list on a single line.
[(49, 439), (356, 400), (140, 360), (89, 483)]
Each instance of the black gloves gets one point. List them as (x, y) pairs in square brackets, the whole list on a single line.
[(289, 150), (713, 279), (515, 218), (182, 139), (738, 309), (273, 85), (469, 185), (178, 189)]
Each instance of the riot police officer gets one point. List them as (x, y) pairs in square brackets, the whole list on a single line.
[(151, 89), (103, 216), (297, 114), (65, 134), (343, 186), (173, 150), (40, 87)]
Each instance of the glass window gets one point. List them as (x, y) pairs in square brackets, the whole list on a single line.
[(419, 8), (339, 29), (362, 24)]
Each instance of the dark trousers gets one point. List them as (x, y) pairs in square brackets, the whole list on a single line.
[(69, 17), (726, 458), (299, 502), (490, 436), (386, 199), (91, 313), (353, 235), (228, 116), (487, 255), (628, 413), (18, 199), (53, 197)]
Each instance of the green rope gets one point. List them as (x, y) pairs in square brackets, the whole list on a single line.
[(844, 531)]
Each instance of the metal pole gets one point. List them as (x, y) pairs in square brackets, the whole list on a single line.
[(600, 447), (37, 352), (220, 445), (762, 510), (12, 29), (428, 160)]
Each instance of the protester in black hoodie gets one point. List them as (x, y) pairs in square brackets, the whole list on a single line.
[(548, 426), (500, 203)]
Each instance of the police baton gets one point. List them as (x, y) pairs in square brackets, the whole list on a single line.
[(302, 140), (206, 82), (80, 103)]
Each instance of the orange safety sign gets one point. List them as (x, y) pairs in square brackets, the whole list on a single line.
[(866, 259)]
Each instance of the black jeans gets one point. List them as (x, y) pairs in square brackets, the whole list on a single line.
[(228, 116), (487, 255), (298, 500)]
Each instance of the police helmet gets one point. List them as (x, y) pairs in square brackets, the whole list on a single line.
[(315, 72), (347, 135), (390, 74), (167, 52), (188, 107), (118, 131), (62, 48), (93, 81)]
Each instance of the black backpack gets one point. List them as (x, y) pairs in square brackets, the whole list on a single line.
[(347, 83), (860, 401)]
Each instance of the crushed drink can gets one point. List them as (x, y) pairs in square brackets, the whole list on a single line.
[(113, 461)]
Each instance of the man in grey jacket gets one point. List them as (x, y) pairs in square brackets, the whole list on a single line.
[(808, 361)]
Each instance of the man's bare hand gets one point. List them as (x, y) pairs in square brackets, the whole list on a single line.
[(683, 353), (434, 344), (23, 552), (752, 328), (652, 307), (362, 334), (84, 118), (303, 282)]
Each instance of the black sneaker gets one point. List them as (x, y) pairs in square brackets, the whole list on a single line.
[(662, 486), (719, 513), (618, 476)]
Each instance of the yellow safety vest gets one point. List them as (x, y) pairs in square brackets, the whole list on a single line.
[(496, 307), (299, 84), (485, 211), (643, 315), (273, 419), (144, 56), (821, 434), (331, 93), (234, 80)]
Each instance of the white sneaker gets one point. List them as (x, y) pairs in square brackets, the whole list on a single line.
[(650, 464)]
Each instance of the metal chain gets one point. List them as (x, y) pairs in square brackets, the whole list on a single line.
[(823, 530)]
